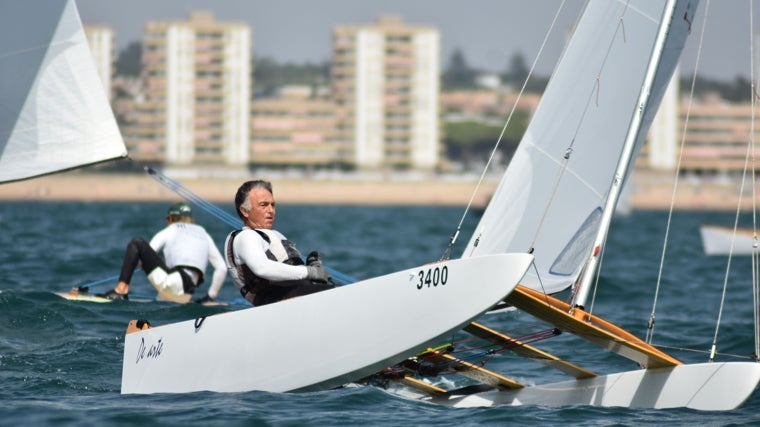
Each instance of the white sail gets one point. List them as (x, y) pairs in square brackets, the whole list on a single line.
[(54, 114), (552, 206)]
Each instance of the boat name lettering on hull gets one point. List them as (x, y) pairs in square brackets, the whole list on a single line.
[(432, 277), (152, 351)]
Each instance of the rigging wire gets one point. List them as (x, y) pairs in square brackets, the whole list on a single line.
[(477, 350), (190, 196), (748, 160), (652, 315), (753, 104), (749, 167), (447, 253), (703, 352), (106, 280)]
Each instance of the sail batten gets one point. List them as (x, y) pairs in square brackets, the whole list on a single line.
[(54, 114), (588, 107)]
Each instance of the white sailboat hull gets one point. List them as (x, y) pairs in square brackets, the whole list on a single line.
[(718, 240), (703, 386), (323, 340)]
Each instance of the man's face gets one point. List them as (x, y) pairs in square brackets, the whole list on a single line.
[(262, 212)]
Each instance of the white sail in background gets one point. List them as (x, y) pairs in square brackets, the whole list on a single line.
[(54, 114), (553, 207)]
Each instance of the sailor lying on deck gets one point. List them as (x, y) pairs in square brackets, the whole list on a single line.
[(264, 265), (187, 249)]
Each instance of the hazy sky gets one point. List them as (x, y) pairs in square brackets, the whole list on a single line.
[(489, 32)]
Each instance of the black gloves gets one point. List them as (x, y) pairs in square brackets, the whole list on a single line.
[(314, 258), (315, 270), (317, 273)]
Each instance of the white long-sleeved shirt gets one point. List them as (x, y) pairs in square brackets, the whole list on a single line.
[(250, 248), (190, 245)]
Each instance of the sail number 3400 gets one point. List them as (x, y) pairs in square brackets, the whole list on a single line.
[(432, 277)]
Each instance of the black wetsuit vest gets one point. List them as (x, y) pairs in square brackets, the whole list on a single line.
[(249, 283)]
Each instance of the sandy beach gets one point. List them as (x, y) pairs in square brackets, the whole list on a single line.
[(649, 191)]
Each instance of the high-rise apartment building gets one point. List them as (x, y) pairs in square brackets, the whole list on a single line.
[(196, 104), (100, 39), (386, 82)]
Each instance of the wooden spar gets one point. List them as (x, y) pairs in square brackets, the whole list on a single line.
[(591, 328), (528, 351)]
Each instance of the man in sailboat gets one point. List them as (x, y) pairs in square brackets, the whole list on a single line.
[(187, 248), (265, 266)]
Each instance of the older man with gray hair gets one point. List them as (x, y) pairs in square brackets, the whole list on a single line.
[(265, 266)]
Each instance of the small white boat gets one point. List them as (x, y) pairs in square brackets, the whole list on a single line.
[(718, 240)]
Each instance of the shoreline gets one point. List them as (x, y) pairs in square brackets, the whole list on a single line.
[(140, 187), (650, 191)]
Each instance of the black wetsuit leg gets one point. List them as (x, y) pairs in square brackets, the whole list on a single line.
[(138, 250)]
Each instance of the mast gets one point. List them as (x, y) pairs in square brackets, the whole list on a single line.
[(592, 264)]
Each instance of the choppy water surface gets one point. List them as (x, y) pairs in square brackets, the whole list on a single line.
[(60, 361)]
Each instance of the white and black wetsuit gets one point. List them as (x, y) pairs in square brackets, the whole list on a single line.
[(266, 267)]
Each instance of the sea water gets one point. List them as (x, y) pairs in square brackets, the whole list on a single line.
[(60, 361)]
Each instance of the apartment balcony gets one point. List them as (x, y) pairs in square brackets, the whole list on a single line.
[(719, 122), (209, 70), (712, 165), (209, 108), (154, 41), (399, 64), (398, 162), (147, 122), (717, 138), (340, 72), (400, 110), (211, 158), (152, 57), (399, 45), (400, 134), (133, 136)]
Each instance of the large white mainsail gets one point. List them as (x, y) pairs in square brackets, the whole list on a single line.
[(54, 114), (551, 198)]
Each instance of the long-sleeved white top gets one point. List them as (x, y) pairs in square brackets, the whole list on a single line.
[(190, 245), (250, 248)]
